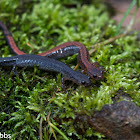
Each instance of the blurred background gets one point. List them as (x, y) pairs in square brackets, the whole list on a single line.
[(119, 7)]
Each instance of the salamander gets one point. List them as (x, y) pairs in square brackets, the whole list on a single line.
[(47, 64), (94, 70)]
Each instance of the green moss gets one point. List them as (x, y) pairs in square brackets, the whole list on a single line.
[(33, 95)]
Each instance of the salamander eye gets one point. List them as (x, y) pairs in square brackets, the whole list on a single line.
[(83, 82), (94, 76)]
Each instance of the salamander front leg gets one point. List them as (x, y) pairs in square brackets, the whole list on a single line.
[(63, 83), (14, 70)]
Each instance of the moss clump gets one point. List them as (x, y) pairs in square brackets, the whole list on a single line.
[(32, 96)]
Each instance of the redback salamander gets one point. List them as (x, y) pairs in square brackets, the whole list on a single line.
[(46, 64), (94, 70)]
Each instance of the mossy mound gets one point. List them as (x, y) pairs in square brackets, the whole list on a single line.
[(30, 103)]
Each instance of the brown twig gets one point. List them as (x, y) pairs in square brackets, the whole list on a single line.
[(48, 119), (28, 44), (106, 42)]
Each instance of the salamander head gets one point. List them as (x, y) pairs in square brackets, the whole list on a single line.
[(95, 71), (85, 81), (81, 79), (78, 78)]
